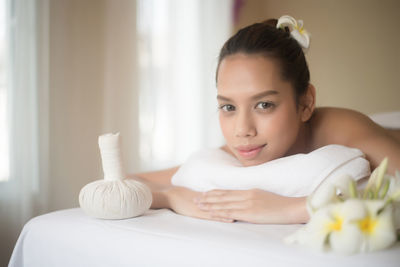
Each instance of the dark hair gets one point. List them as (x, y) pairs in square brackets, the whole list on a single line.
[(265, 39)]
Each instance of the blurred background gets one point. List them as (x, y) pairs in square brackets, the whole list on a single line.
[(71, 70)]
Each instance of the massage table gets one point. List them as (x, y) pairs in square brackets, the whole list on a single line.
[(164, 238)]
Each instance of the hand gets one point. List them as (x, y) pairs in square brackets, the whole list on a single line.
[(181, 200), (255, 206)]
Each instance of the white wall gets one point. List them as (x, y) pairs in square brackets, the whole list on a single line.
[(92, 91)]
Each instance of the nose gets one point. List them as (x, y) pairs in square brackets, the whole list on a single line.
[(244, 125)]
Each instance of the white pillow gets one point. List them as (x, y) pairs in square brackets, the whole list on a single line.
[(296, 175)]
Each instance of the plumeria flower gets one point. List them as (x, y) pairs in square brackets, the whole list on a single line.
[(332, 224), (344, 235), (377, 227), (349, 227), (348, 220), (296, 29)]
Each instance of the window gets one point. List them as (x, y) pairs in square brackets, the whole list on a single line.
[(4, 141), (178, 45)]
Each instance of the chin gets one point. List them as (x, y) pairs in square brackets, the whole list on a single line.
[(255, 162), (261, 159)]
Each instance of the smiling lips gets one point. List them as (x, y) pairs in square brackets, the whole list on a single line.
[(250, 151)]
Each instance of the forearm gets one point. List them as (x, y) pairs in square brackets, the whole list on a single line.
[(160, 200), (159, 193), (159, 183), (296, 211), (286, 210)]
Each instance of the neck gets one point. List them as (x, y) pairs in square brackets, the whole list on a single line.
[(302, 144)]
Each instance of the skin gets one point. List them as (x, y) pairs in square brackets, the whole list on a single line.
[(261, 121)]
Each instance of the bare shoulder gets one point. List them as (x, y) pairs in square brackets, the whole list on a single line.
[(354, 129), (340, 126)]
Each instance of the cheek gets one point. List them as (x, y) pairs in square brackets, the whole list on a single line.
[(280, 127), (226, 126)]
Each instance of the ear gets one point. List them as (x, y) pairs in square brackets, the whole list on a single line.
[(308, 103)]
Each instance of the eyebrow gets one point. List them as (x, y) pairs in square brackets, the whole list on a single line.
[(254, 97)]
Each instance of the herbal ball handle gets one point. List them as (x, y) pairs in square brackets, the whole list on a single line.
[(111, 157)]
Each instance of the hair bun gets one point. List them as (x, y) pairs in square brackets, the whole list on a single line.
[(296, 30), (270, 22)]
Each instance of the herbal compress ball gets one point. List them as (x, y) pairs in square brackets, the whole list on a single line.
[(114, 197)]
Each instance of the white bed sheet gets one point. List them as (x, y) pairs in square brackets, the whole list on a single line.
[(163, 238)]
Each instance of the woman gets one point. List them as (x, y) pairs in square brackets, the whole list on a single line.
[(267, 111)]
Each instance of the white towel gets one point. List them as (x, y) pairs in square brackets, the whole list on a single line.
[(295, 176)]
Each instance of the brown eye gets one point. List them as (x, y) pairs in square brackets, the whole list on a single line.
[(265, 105), (227, 108)]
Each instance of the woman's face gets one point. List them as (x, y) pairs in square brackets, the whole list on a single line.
[(257, 109)]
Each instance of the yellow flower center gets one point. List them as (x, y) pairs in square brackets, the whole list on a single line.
[(368, 224), (336, 224), (300, 29)]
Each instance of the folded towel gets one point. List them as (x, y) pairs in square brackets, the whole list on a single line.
[(295, 176)]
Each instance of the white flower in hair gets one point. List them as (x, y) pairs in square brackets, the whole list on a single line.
[(296, 29)]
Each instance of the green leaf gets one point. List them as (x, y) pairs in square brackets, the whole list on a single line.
[(384, 189), (381, 172), (376, 177), (370, 194), (353, 188)]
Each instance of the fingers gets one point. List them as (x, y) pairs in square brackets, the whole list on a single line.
[(229, 214), (220, 216), (202, 214), (215, 196), (226, 214), (227, 205), (226, 220), (226, 211), (223, 205)]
